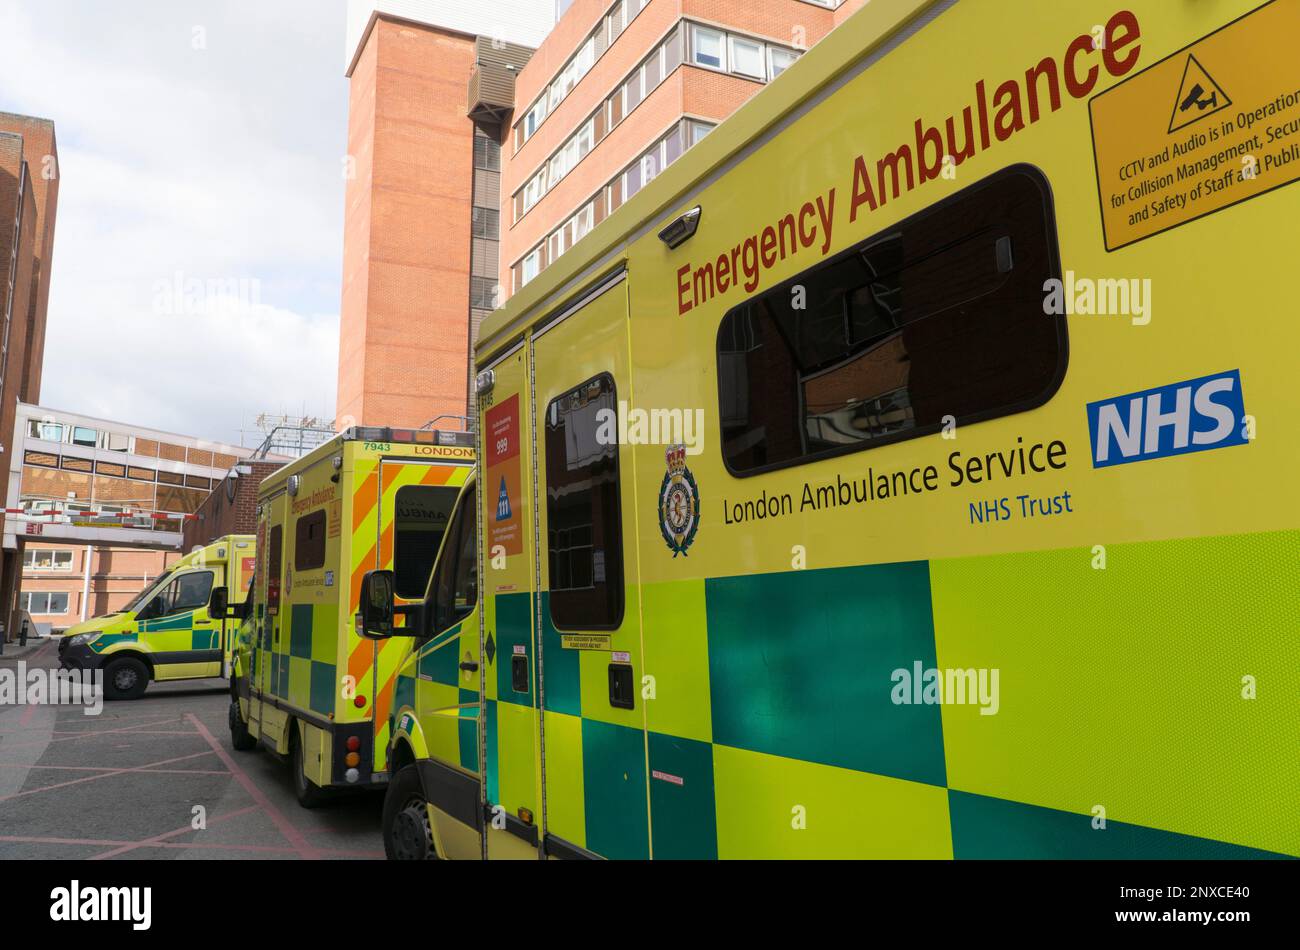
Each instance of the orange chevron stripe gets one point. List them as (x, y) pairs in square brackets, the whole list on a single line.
[(364, 499)]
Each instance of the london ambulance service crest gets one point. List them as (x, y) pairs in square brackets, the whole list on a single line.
[(679, 502)]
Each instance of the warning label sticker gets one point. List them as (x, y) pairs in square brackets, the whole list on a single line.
[(1213, 125)]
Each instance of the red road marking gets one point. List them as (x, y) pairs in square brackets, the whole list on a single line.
[(96, 732), (99, 775), (210, 846), (109, 768), (159, 839), (291, 833)]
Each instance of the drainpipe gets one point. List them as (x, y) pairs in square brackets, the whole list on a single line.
[(85, 582)]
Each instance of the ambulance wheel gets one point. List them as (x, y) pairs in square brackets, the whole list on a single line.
[(125, 678), (407, 835), (310, 795), (240, 737)]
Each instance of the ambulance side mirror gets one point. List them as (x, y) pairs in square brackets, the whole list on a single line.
[(217, 603), (376, 615)]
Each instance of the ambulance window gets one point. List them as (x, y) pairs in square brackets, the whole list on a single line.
[(187, 592), (309, 542), (455, 588), (273, 571), (420, 515), (940, 315), (584, 530)]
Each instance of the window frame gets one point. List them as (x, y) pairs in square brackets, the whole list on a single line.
[(735, 39), (620, 593), (696, 30), (1053, 262), (301, 550)]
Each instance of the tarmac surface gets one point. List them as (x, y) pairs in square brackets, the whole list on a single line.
[(136, 779)]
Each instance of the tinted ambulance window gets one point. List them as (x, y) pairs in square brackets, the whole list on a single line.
[(455, 588), (584, 531), (420, 515), (187, 592), (273, 572), (940, 315), (309, 542)]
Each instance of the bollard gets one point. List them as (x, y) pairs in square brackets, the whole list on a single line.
[(22, 634)]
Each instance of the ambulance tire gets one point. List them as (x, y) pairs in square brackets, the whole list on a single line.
[(407, 835), (309, 794), (125, 678), (240, 737)]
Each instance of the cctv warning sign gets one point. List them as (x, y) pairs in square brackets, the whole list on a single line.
[(1210, 126)]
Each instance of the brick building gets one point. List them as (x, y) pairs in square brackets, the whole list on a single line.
[(539, 149), (231, 508), (29, 197), (95, 509), (64, 584), (422, 201)]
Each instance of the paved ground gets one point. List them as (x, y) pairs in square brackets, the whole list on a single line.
[(125, 783)]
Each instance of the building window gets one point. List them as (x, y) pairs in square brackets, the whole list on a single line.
[(487, 153), (706, 48), (483, 293), (486, 223), (83, 436), (44, 602), (531, 265), (747, 58), (699, 130), (44, 559), (309, 542), (939, 315), (583, 518), (45, 431), (779, 60)]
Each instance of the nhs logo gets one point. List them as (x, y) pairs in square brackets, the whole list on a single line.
[(1199, 414)]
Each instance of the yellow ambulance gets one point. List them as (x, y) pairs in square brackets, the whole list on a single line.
[(306, 684), (907, 471), (171, 630)]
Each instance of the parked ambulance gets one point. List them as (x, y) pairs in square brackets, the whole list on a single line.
[(168, 632), (307, 685), (906, 471)]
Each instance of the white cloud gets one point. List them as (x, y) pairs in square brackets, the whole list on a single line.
[(221, 163)]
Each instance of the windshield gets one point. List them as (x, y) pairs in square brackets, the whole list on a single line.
[(135, 602)]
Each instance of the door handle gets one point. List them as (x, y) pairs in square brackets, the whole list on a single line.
[(469, 666)]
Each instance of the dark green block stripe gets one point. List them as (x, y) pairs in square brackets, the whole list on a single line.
[(492, 767), (179, 622), (613, 774), (800, 666), (203, 639), (323, 683), (513, 629), (300, 631), (403, 693), (468, 729), (563, 694), (684, 814), (106, 640), (984, 827), (439, 659)]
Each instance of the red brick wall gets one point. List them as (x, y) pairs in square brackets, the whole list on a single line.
[(403, 348), (218, 516)]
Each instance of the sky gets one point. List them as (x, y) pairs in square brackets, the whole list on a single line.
[(199, 235)]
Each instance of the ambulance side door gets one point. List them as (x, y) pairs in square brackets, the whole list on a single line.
[(596, 784)]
